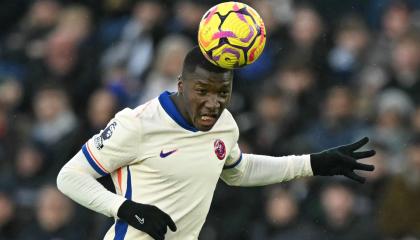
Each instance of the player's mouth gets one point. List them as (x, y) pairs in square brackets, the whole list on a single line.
[(207, 120)]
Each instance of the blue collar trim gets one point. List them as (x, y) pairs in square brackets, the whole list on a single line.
[(169, 106)]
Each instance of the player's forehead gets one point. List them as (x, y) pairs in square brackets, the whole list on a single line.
[(205, 77)]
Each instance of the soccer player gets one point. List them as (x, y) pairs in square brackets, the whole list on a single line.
[(166, 156)]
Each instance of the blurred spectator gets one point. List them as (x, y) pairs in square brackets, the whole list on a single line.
[(387, 64), (405, 67), (393, 111), (134, 49), (298, 82), (65, 62), (56, 127), (187, 16), (399, 213), (170, 56), (282, 219), (101, 108), (273, 123), (395, 22), (76, 20), (377, 8), (53, 114), (340, 220), (9, 226), (369, 85), (337, 124), (28, 40), (54, 215), (10, 93), (62, 55), (308, 39), (29, 175), (295, 79), (306, 28), (350, 43)]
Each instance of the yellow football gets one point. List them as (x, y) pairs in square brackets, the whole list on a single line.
[(231, 35)]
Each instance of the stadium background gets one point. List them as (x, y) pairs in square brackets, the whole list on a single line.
[(332, 71)]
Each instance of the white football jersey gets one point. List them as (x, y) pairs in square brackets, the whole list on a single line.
[(155, 157)]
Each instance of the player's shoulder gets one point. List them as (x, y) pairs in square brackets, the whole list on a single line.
[(227, 117), (227, 121), (234, 124), (141, 111), (133, 116)]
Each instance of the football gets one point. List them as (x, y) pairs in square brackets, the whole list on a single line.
[(231, 35)]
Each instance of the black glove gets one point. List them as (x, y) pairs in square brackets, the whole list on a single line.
[(146, 218), (342, 161)]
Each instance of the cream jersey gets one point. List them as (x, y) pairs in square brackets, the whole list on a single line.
[(155, 157)]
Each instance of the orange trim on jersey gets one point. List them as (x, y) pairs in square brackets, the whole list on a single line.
[(119, 175), (96, 160)]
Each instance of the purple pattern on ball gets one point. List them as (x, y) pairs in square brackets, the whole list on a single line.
[(223, 34), (247, 38), (231, 50), (241, 16)]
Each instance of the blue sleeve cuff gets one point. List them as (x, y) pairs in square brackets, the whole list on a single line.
[(234, 164), (91, 160)]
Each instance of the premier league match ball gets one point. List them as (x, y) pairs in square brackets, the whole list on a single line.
[(231, 35)]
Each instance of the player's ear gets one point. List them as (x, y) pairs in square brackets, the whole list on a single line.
[(180, 85)]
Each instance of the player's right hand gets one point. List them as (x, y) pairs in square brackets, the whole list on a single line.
[(146, 218)]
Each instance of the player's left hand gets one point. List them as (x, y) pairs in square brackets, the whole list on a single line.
[(147, 218), (342, 160)]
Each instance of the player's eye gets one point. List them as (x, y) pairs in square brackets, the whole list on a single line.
[(224, 93), (201, 91)]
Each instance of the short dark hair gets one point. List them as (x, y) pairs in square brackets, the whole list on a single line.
[(195, 58)]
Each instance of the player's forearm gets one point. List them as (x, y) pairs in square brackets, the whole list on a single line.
[(258, 170), (78, 182)]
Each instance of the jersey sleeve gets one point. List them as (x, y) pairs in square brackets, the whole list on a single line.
[(234, 167), (235, 154), (234, 157), (115, 146), (258, 170)]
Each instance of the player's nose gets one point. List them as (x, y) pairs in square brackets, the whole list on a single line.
[(212, 103)]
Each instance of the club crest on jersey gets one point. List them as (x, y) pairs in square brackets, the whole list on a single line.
[(106, 134), (219, 149)]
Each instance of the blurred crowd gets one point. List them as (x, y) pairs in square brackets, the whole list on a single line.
[(331, 72)]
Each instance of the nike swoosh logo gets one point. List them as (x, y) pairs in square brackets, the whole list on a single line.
[(164, 155), (141, 220)]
